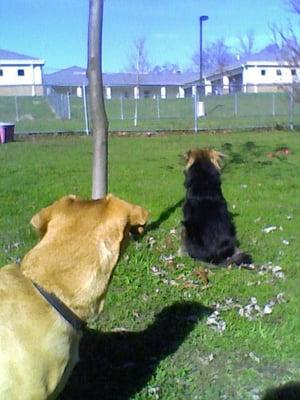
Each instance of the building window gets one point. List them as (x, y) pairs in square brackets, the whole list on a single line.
[(1, 72), (278, 72), (21, 72), (293, 72), (146, 94), (263, 72)]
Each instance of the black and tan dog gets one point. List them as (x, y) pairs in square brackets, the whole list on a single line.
[(208, 232)]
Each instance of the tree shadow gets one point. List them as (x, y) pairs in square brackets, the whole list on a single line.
[(250, 147), (116, 365), (245, 152), (163, 216), (288, 391)]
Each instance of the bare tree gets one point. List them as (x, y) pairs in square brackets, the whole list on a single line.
[(246, 44), (168, 67), (294, 5), (98, 114), (286, 39), (288, 44), (216, 57), (206, 59), (138, 60)]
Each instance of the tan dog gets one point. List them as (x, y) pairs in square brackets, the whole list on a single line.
[(81, 242), (205, 154)]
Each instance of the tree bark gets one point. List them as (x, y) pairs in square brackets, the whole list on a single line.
[(96, 99)]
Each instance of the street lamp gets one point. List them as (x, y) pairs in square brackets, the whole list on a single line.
[(202, 18)]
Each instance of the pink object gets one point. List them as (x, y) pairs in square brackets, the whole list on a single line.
[(2, 134), (6, 132)]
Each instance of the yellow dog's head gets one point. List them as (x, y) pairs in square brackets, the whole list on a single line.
[(80, 244)]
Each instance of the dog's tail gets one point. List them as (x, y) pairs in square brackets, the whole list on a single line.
[(239, 258)]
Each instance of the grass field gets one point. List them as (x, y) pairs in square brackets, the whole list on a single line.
[(152, 340), (33, 114)]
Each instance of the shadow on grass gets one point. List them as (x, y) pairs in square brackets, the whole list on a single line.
[(117, 365), (247, 151), (163, 216), (288, 391)]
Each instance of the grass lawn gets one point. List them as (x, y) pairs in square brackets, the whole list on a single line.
[(152, 340)]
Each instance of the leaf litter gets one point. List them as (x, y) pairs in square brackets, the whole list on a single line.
[(251, 311)]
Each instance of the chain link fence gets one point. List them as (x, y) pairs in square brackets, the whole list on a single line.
[(65, 109)]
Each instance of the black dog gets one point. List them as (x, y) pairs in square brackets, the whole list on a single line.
[(208, 232)]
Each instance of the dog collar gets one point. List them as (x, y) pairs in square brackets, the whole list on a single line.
[(76, 322)]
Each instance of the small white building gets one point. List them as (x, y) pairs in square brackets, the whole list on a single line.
[(20, 74), (261, 72)]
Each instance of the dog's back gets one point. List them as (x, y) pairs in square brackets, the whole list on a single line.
[(38, 347), (209, 233)]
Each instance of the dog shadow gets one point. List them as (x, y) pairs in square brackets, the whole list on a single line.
[(288, 391), (116, 365), (163, 216)]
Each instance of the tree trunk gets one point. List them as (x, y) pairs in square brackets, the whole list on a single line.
[(96, 99)]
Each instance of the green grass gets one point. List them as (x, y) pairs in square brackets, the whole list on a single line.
[(222, 112), (152, 340)]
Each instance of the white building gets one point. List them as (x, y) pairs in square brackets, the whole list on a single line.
[(261, 72), (20, 74), (122, 85)]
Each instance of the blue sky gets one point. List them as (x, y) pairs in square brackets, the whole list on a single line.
[(56, 30)]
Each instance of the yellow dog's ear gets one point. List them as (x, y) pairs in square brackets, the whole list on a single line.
[(40, 220), (138, 217)]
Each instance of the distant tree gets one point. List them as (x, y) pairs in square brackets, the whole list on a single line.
[(167, 67), (216, 57), (246, 44), (221, 55), (294, 5), (206, 59), (138, 60), (286, 39)]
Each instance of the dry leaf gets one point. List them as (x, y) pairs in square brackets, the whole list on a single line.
[(202, 274)]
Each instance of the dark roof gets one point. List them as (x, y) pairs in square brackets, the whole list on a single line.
[(117, 79), (10, 55), (73, 76), (149, 79), (76, 76), (170, 78)]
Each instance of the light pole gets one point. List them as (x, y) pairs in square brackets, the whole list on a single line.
[(201, 19)]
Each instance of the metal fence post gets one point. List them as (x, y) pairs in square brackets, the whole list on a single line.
[(17, 109), (273, 105), (291, 108), (195, 113), (121, 106), (69, 105), (135, 112), (235, 104), (158, 109), (85, 111), (61, 106)]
